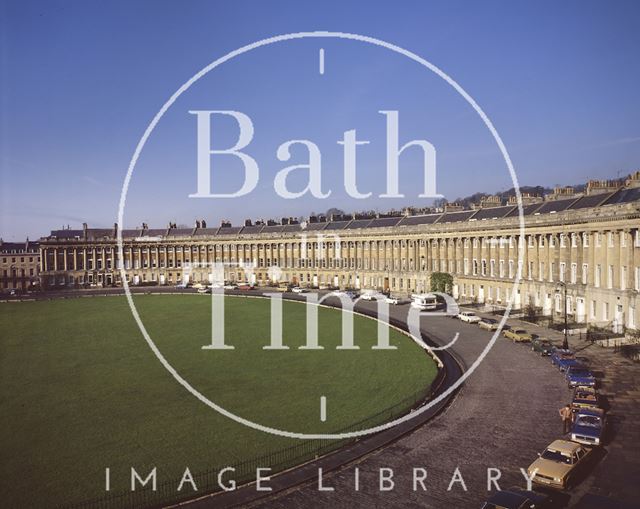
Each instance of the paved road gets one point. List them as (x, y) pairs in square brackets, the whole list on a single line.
[(505, 413), (613, 482)]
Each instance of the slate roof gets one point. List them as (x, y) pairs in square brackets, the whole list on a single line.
[(621, 196)]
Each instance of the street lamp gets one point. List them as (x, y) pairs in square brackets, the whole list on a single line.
[(565, 341)]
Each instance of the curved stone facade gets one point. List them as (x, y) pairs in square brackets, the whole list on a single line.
[(590, 243)]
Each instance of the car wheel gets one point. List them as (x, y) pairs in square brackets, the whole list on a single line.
[(568, 483)]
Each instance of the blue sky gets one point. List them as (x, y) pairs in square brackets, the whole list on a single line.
[(80, 81)]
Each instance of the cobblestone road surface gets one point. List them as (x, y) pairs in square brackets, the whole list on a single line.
[(505, 414)]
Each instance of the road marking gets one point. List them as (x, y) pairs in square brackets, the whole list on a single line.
[(323, 408), (321, 60)]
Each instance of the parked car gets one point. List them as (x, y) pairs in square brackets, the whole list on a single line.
[(543, 346), (245, 287), (424, 301), (563, 358), (516, 498), (584, 397), (230, 286), (204, 289), (372, 295), (578, 374), (559, 463), (352, 294), (489, 323), (588, 426), (469, 317), (396, 301), (518, 335), (299, 289)]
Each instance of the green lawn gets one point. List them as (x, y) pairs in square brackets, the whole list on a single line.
[(82, 391)]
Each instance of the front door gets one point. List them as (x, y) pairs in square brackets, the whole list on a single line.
[(580, 310), (618, 323)]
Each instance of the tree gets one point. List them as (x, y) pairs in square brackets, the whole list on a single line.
[(334, 211), (439, 203), (441, 282)]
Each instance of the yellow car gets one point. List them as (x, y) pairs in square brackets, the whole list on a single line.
[(558, 465), (518, 335)]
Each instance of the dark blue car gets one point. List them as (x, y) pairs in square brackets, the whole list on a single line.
[(563, 359), (578, 374), (588, 426)]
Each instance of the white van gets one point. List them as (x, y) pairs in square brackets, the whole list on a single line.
[(424, 301)]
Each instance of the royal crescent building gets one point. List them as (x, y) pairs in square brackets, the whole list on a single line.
[(587, 244)]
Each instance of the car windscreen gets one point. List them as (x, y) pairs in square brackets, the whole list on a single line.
[(580, 372), (556, 456), (589, 420)]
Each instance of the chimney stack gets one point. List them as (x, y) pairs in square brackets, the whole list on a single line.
[(453, 207)]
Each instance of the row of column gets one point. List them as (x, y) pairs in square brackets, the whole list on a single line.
[(542, 255)]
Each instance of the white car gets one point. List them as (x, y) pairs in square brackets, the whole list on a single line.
[(298, 289), (204, 289), (230, 286), (373, 296), (396, 301), (469, 317)]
